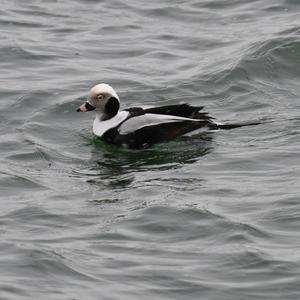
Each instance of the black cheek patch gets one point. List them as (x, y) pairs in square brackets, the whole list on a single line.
[(112, 106)]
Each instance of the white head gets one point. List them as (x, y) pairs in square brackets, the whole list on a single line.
[(103, 99)]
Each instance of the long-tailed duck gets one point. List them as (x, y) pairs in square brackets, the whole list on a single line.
[(139, 128)]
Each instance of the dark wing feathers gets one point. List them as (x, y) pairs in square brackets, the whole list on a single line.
[(179, 110), (149, 135)]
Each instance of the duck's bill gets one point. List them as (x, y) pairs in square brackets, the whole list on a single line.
[(85, 107)]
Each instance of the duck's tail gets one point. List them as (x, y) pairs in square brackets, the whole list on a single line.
[(233, 125)]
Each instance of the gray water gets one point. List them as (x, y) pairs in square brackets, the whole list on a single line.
[(213, 216)]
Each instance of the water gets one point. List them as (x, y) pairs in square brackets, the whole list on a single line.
[(212, 216)]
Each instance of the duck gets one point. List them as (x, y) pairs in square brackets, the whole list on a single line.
[(140, 128)]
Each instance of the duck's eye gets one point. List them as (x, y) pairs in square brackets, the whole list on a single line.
[(100, 97)]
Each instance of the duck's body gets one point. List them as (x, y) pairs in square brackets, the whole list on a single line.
[(139, 128)]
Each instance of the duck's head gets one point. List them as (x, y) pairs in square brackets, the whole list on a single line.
[(103, 99)]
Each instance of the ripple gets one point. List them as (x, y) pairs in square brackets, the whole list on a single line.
[(9, 183), (169, 226), (16, 53), (267, 59), (23, 24), (210, 216)]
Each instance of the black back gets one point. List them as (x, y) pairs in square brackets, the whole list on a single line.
[(179, 110)]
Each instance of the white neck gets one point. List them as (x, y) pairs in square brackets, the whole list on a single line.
[(100, 127)]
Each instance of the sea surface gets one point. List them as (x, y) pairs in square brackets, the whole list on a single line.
[(214, 216)]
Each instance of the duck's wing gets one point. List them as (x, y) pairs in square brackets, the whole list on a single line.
[(149, 119), (148, 129), (179, 110)]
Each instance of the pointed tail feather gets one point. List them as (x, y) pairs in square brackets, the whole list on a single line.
[(234, 125)]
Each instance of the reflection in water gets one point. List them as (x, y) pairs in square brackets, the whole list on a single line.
[(115, 167), (184, 150)]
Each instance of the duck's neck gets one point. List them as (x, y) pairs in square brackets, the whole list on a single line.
[(104, 117)]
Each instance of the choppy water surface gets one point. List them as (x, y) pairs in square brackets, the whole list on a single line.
[(213, 216)]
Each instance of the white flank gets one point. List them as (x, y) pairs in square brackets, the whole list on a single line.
[(139, 122)]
